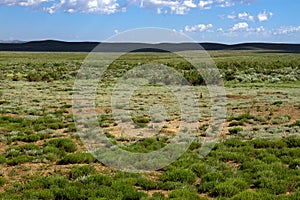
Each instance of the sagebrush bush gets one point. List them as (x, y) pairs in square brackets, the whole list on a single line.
[(96, 180), (2, 181), (53, 150), (2, 159), (209, 181), (77, 158), (31, 138), (235, 130), (247, 195), (224, 189), (45, 194), (179, 175), (19, 160), (295, 164), (79, 171), (125, 187), (147, 184), (184, 194), (65, 144), (199, 169)]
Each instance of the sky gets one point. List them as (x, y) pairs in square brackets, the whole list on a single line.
[(224, 21)]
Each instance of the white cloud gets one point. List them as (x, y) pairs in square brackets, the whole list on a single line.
[(175, 7), (85, 6), (226, 4), (22, 2), (112, 6), (231, 16), (245, 16), (264, 16), (189, 4), (286, 30), (198, 28), (240, 26), (205, 4)]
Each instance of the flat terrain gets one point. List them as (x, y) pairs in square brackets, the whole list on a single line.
[(257, 155)]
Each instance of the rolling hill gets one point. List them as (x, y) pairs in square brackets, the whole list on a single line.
[(62, 46)]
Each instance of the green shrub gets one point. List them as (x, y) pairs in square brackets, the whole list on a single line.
[(145, 145), (127, 190), (2, 159), (31, 138), (295, 164), (106, 192), (65, 144), (271, 185), (225, 190), (240, 183), (79, 171), (199, 169), (194, 145), (261, 143), (141, 121), (293, 142), (146, 184), (77, 158), (235, 130), (179, 175), (45, 194), (169, 185), (247, 195), (157, 196), (20, 159), (270, 159), (53, 150), (277, 103), (237, 123), (235, 142), (296, 123), (2, 181), (209, 181), (97, 180), (184, 194)]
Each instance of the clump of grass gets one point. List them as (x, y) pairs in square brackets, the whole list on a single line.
[(141, 121), (277, 103), (77, 158), (79, 171), (179, 175), (235, 130), (64, 144)]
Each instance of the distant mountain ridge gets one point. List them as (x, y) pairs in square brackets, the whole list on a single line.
[(62, 46)]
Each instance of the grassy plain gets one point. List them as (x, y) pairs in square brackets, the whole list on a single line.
[(257, 156)]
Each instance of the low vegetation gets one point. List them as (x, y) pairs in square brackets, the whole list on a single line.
[(256, 156)]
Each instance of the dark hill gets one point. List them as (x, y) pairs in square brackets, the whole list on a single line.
[(61, 46)]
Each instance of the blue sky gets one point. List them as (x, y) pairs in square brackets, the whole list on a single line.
[(225, 21)]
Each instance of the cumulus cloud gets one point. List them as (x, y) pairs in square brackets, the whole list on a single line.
[(264, 16), (173, 7), (286, 30), (246, 29), (241, 16), (245, 16), (22, 2), (85, 6), (240, 26), (112, 6), (225, 4), (205, 4), (198, 28)]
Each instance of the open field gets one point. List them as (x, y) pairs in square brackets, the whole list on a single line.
[(257, 155)]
